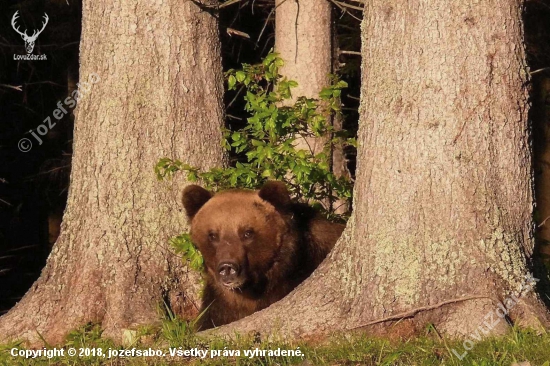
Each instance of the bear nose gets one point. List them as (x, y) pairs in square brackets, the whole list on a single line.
[(228, 271)]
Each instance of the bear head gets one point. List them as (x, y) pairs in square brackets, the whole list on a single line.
[(244, 236)]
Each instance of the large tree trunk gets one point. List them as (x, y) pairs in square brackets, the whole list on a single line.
[(111, 263), (541, 132), (442, 227), (303, 40)]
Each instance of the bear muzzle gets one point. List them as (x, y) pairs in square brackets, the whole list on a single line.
[(229, 274)]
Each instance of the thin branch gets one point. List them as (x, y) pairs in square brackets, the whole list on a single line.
[(227, 3), (47, 82), (267, 21), (6, 202), (539, 70), (541, 2), (411, 313), (53, 170), (21, 248), (233, 117), (341, 4), (236, 96), (543, 222), (345, 11), (16, 87), (232, 31), (307, 143), (350, 53)]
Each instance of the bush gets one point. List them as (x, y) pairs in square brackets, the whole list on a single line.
[(265, 147)]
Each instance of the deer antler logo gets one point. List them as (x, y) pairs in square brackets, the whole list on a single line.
[(29, 40)]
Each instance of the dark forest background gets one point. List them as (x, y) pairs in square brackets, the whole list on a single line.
[(34, 185)]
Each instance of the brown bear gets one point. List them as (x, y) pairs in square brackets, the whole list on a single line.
[(257, 247)]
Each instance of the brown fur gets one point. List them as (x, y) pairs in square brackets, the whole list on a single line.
[(273, 243)]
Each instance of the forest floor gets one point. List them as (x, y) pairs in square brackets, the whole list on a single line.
[(519, 347)]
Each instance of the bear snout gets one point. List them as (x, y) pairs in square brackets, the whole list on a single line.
[(229, 273)]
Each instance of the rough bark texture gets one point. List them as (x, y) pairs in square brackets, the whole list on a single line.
[(541, 133), (111, 263), (303, 40), (443, 198)]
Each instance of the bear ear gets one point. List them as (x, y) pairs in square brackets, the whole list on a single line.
[(276, 193), (194, 197)]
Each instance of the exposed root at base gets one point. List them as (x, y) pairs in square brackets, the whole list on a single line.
[(414, 312)]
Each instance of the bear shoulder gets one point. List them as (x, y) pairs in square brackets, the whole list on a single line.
[(320, 234)]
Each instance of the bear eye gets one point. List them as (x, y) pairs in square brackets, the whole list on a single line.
[(248, 234), (212, 236)]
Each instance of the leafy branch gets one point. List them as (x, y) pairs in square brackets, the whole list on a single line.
[(266, 146)]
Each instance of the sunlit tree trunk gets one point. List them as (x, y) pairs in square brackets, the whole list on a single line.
[(111, 264), (541, 136), (304, 39), (442, 227)]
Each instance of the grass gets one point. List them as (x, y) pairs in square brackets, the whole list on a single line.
[(517, 346)]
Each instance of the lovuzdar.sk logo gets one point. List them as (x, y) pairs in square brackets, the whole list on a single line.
[(29, 40)]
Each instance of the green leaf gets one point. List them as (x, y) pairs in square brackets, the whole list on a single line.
[(240, 76), (231, 81), (266, 144), (184, 246)]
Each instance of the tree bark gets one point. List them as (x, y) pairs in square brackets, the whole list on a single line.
[(111, 263), (442, 226), (541, 132), (303, 40)]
